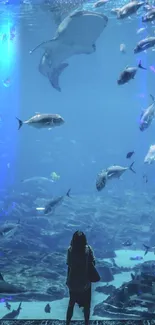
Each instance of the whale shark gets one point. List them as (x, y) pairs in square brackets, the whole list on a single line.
[(77, 34)]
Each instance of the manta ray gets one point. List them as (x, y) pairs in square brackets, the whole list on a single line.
[(77, 34)]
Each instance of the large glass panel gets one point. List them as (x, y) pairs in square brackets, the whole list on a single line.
[(77, 158)]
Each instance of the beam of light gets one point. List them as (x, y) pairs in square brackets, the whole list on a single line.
[(9, 97), (143, 57), (7, 47)]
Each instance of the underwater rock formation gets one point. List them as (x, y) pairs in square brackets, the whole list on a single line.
[(126, 300), (36, 252), (107, 290)]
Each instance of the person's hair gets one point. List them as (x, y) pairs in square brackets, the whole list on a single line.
[(79, 241)]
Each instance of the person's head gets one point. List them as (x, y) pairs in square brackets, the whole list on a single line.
[(78, 241)]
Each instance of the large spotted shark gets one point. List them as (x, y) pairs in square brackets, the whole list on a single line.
[(77, 34)]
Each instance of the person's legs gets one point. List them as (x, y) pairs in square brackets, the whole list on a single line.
[(87, 306), (86, 314), (70, 310)]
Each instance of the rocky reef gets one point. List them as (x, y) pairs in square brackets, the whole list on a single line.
[(132, 300), (33, 255)]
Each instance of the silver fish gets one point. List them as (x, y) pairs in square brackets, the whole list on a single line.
[(100, 3), (101, 180), (55, 202), (41, 121), (128, 9), (116, 171), (149, 16), (38, 179), (150, 157), (147, 116), (129, 73), (144, 44)]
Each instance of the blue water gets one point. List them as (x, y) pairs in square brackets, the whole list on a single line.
[(101, 121), (101, 118)]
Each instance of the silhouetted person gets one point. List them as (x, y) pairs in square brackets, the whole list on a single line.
[(79, 256)]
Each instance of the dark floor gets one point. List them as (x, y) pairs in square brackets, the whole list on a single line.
[(58, 322)]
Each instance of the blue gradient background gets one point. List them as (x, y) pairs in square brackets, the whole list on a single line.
[(9, 98)]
